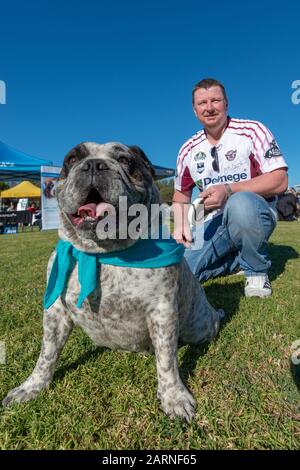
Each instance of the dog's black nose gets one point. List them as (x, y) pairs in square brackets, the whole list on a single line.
[(94, 165)]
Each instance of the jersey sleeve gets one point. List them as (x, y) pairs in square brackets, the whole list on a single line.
[(266, 150), (183, 178)]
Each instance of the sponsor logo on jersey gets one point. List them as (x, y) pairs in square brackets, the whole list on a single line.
[(199, 184), (200, 167), (236, 177), (200, 156), (273, 151), (231, 155)]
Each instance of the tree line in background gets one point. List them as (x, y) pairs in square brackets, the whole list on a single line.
[(3, 186), (166, 189)]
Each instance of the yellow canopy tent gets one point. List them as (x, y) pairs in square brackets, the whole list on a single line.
[(22, 190)]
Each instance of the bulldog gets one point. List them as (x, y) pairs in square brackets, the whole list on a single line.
[(138, 309)]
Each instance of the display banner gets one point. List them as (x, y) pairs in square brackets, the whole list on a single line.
[(50, 213)]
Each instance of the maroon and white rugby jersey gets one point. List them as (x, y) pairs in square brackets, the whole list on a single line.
[(246, 149)]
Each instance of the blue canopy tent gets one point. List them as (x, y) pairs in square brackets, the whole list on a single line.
[(162, 172), (19, 165)]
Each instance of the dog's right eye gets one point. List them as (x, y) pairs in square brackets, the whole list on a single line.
[(72, 160), (123, 160)]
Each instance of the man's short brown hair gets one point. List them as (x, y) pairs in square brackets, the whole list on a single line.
[(208, 83)]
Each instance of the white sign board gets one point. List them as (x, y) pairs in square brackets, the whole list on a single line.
[(50, 213)]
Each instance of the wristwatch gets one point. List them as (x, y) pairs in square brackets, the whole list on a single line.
[(228, 190)]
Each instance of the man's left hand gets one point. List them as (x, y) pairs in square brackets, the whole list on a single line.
[(214, 197)]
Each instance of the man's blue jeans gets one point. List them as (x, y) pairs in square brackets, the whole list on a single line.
[(238, 237)]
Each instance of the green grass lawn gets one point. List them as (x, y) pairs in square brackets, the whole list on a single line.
[(246, 389)]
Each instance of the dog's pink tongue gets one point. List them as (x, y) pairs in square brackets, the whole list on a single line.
[(89, 208), (95, 210)]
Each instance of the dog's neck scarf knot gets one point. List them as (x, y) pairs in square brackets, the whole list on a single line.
[(149, 253)]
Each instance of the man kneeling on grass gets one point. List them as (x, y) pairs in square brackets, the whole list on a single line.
[(239, 170)]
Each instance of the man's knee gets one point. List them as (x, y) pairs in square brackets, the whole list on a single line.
[(242, 209), (248, 214)]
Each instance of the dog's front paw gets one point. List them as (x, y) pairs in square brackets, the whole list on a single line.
[(178, 402), (19, 394)]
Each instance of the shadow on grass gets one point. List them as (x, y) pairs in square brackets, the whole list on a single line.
[(83, 359), (279, 255), (222, 296)]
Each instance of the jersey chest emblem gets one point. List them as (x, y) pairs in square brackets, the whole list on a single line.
[(230, 155), (199, 157)]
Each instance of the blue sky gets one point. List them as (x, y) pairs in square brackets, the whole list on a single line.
[(124, 70)]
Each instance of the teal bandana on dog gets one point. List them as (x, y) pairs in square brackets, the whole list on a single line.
[(147, 253)]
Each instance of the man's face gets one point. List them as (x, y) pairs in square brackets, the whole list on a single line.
[(210, 107)]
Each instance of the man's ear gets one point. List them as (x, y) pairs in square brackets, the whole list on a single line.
[(140, 153)]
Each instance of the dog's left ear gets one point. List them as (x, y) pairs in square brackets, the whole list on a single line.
[(137, 151), (75, 155), (64, 172)]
